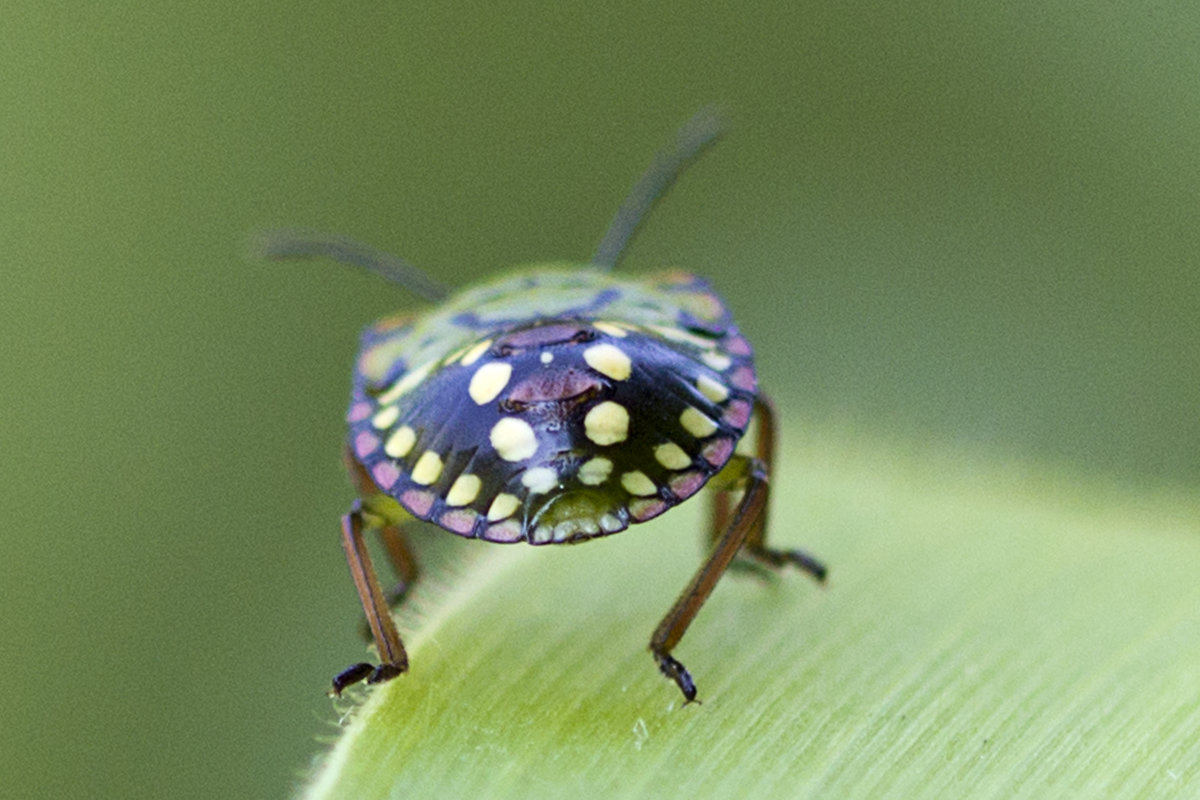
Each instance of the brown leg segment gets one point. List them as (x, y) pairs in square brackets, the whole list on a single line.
[(675, 623), (720, 510), (404, 568), (764, 448), (387, 639), (404, 563), (763, 557), (756, 545), (731, 533), (395, 543)]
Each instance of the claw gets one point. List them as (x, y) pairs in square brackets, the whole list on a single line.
[(678, 673), (797, 558), (350, 676)]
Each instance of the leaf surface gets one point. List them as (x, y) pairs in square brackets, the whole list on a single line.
[(989, 630)]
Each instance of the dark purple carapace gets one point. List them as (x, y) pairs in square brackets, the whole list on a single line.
[(554, 419)]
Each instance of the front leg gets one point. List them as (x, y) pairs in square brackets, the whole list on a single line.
[(675, 623), (393, 659), (404, 568)]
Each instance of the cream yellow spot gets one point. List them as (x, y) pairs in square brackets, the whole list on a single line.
[(489, 381), (513, 439), (680, 335), (546, 357), (608, 359), (607, 423), (696, 423), (405, 383), (455, 356), (718, 361), (503, 507), (610, 523), (475, 352), (637, 483), (464, 489), (540, 480), (401, 442), (428, 468), (672, 456), (385, 417), (610, 329), (713, 390), (595, 471)]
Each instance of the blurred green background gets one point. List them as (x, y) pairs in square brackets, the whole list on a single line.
[(967, 223)]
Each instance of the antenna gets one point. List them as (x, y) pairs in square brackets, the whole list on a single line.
[(696, 134), (308, 244)]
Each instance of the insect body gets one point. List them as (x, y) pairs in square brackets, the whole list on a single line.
[(554, 404)]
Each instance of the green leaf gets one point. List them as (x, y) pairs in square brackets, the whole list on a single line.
[(987, 631)]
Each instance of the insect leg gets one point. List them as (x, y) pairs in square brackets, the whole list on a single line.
[(383, 629), (756, 545), (675, 623), (404, 567), (760, 557), (720, 509), (404, 563)]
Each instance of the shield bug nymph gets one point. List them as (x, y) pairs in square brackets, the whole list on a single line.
[(554, 404)]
